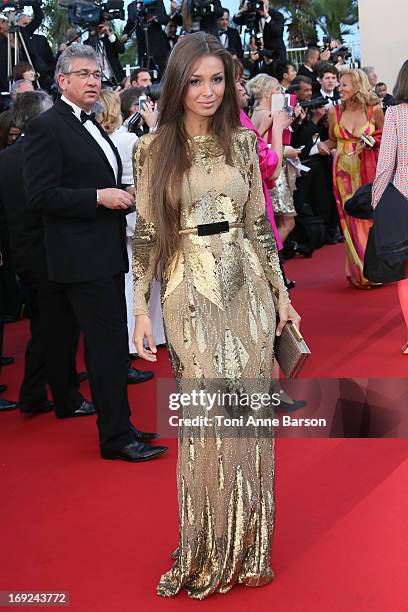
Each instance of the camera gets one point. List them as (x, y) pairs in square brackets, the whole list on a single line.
[(200, 8), (314, 104), (145, 8), (342, 51), (88, 14)]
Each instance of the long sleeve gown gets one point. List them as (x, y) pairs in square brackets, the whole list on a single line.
[(220, 319)]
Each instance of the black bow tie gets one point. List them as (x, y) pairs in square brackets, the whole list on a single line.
[(85, 117), (222, 32)]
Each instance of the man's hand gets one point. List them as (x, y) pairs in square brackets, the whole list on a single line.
[(115, 199), (325, 55), (318, 114), (323, 149)]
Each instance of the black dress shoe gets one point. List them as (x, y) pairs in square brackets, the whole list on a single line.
[(7, 405), (143, 436), (5, 361), (85, 409), (3, 388), (36, 409), (290, 284), (137, 376), (135, 451), (82, 376)]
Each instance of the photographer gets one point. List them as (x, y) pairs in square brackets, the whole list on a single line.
[(267, 21), (40, 62), (309, 67), (314, 199), (257, 60), (40, 50), (147, 20), (229, 37), (108, 47)]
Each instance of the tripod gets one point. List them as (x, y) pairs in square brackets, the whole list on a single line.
[(19, 43), (146, 61)]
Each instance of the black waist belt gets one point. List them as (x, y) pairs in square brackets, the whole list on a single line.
[(208, 229)]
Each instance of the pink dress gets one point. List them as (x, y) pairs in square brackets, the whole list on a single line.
[(268, 160)]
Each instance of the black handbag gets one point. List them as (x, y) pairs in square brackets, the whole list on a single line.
[(359, 205), (380, 270), (391, 226)]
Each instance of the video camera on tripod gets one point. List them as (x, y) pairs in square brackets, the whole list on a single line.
[(90, 14), (146, 8), (201, 8)]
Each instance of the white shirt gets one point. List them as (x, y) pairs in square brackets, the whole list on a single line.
[(95, 133)]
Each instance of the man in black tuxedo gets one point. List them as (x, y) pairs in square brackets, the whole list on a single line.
[(108, 47), (269, 22), (229, 37), (72, 176), (159, 48), (27, 249), (386, 99)]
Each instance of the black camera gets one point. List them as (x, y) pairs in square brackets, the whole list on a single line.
[(314, 104), (200, 8), (342, 51), (146, 8), (89, 14)]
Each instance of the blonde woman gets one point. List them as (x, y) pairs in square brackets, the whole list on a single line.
[(355, 129), (111, 120), (263, 87)]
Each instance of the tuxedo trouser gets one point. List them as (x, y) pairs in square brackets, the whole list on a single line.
[(99, 308), (49, 358)]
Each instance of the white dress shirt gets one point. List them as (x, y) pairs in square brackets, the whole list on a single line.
[(95, 133)]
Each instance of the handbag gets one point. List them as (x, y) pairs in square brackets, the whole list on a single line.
[(359, 205), (291, 351), (381, 270), (391, 226)]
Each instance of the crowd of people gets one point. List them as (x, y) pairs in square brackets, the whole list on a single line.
[(260, 159)]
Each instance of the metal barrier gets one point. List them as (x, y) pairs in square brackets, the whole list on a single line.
[(295, 56)]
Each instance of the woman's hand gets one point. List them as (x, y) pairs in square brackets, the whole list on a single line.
[(287, 313), (291, 153), (281, 120), (150, 114), (143, 329)]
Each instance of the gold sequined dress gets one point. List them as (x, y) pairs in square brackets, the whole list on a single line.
[(219, 319)]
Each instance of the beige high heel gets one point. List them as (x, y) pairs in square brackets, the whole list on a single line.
[(404, 349)]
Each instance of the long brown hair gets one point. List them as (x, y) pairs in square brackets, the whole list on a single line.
[(172, 141), (401, 86)]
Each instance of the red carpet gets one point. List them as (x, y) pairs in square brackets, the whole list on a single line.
[(104, 530)]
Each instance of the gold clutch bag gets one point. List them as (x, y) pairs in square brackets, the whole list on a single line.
[(291, 351)]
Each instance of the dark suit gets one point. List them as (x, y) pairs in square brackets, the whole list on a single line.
[(234, 44), (209, 23), (86, 254), (29, 260), (43, 59), (304, 71), (272, 32), (159, 48), (27, 33), (112, 51)]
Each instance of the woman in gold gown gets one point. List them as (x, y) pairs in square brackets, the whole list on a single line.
[(218, 310)]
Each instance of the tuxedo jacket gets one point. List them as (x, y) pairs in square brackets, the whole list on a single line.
[(234, 42), (272, 33), (63, 168), (156, 37), (25, 226)]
